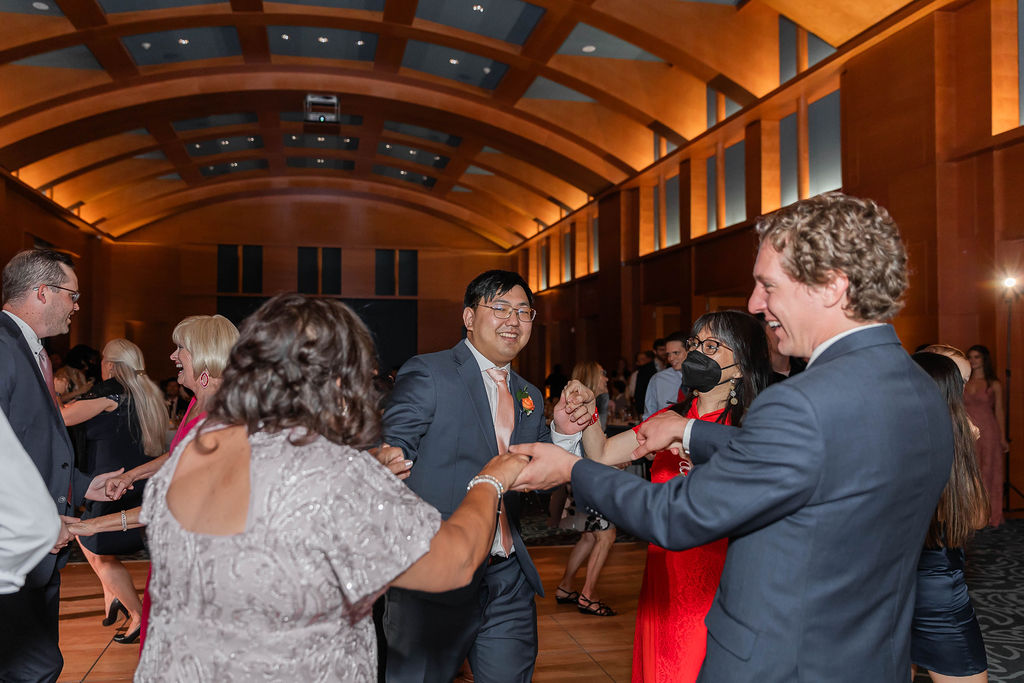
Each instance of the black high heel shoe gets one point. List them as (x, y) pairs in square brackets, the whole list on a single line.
[(115, 607), (128, 638)]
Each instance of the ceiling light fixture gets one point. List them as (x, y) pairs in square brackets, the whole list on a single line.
[(197, 145), (487, 70), (41, 6), (360, 43), (437, 157), (346, 139), (412, 152), (322, 39), (478, 8), (588, 48), (319, 161), (453, 61), (320, 139), (146, 46), (404, 172), (295, 137), (182, 41), (285, 36), (251, 139), (234, 164), (223, 142), (209, 168), (387, 146)]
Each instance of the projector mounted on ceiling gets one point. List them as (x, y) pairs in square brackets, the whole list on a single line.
[(322, 109)]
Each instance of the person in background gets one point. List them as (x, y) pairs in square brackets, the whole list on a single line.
[(284, 529), (666, 387), (70, 383), (645, 370), (124, 422), (598, 534), (983, 399), (555, 382), (945, 636), (660, 354)]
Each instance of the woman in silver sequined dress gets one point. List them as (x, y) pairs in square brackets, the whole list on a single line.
[(272, 530)]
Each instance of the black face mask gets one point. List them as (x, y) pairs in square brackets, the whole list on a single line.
[(702, 372)]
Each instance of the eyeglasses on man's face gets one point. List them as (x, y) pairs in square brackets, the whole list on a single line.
[(708, 347), (504, 312), (75, 294)]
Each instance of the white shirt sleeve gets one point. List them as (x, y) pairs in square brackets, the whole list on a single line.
[(686, 435), (570, 442), (29, 525)]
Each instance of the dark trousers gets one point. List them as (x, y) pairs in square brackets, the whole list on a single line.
[(29, 632), (496, 628)]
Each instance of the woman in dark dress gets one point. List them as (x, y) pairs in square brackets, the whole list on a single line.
[(945, 637), (125, 425)]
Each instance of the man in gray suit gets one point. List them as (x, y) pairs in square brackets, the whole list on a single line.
[(827, 489), (450, 412)]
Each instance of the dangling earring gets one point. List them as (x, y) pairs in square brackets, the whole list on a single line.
[(204, 379), (732, 392)]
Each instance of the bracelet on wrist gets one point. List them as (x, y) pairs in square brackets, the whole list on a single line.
[(488, 479), (124, 521), (594, 418)]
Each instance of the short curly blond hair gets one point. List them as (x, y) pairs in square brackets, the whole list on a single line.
[(837, 232)]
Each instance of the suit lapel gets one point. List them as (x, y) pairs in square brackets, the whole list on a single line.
[(470, 373), (12, 328)]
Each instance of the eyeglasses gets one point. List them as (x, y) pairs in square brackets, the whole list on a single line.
[(707, 346), (75, 294), (504, 312)]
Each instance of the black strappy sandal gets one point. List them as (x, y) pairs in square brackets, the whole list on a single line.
[(594, 607), (570, 597)]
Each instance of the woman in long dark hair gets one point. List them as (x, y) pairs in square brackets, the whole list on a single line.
[(983, 399), (727, 366), (945, 637)]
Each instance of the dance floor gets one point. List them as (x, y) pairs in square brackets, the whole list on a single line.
[(573, 646)]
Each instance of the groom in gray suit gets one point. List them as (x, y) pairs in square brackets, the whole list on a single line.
[(827, 489), (450, 412)]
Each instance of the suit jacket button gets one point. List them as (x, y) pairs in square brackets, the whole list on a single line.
[(62, 499), (64, 466)]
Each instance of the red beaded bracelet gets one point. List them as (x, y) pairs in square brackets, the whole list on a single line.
[(594, 418)]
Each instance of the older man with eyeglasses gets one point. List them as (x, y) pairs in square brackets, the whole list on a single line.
[(40, 294), (450, 412)]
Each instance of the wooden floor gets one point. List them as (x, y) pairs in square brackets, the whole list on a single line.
[(573, 646)]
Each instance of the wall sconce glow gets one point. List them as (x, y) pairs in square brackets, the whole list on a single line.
[(1010, 282)]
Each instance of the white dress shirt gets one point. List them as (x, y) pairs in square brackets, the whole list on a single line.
[(35, 344), (28, 519), (568, 442)]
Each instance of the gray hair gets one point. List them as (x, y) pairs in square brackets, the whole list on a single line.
[(31, 268)]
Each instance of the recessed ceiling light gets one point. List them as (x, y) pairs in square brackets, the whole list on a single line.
[(321, 139), (404, 172), (251, 139), (346, 139), (197, 145), (478, 8), (387, 146), (412, 152), (285, 36), (321, 39), (41, 6), (182, 41), (360, 43), (146, 46), (487, 70), (223, 142), (295, 137), (319, 161), (588, 48), (234, 164), (437, 157), (453, 61), (210, 168)]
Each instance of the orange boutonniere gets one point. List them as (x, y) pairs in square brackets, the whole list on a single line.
[(525, 402)]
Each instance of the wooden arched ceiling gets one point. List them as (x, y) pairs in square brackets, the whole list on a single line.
[(499, 115)]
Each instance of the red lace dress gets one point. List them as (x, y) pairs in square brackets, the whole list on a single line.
[(677, 592)]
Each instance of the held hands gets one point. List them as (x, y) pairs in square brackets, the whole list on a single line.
[(506, 468), (549, 466), (117, 486), (574, 409), (98, 487), (660, 432), (393, 458), (81, 528), (66, 533)]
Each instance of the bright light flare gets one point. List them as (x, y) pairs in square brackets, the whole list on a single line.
[(1010, 282)]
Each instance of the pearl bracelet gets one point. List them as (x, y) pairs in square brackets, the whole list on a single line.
[(488, 479)]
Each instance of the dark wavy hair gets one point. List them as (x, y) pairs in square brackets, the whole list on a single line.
[(302, 363), (742, 333), (986, 363), (963, 506)]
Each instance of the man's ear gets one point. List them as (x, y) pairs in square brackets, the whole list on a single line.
[(467, 317), (835, 288)]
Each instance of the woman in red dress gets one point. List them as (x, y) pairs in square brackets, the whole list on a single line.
[(727, 365)]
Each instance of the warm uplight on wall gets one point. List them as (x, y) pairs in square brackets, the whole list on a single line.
[(1010, 282)]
